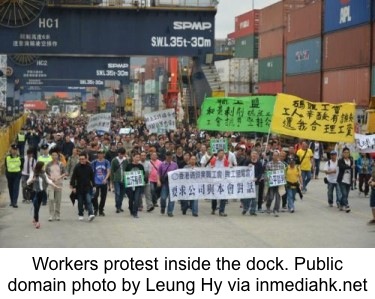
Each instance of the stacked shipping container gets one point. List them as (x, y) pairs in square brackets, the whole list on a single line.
[(347, 52), (303, 52)]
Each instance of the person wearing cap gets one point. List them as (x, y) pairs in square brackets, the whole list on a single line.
[(44, 157), (331, 171), (293, 182), (102, 172), (118, 166), (13, 166), (162, 182), (55, 171)]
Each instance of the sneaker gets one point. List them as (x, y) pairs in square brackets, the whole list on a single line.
[(15, 206), (121, 210), (101, 214), (91, 217), (135, 216), (37, 225), (50, 218), (253, 214), (80, 218), (213, 212), (276, 214), (156, 205), (170, 215), (162, 211), (347, 209), (330, 205), (292, 210), (268, 211), (260, 211), (150, 209), (183, 212), (96, 213), (223, 214), (195, 215), (57, 218), (117, 211), (284, 209), (243, 212)]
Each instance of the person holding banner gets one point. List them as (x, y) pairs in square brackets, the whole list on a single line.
[(345, 178), (306, 157), (219, 161), (167, 166), (134, 182), (193, 204), (275, 175)]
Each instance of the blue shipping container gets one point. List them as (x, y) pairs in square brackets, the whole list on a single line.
[(304, 56), (340, 14)]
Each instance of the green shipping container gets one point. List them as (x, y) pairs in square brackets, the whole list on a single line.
[(246, 47), (271, 69)]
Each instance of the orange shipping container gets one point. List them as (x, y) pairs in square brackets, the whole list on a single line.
[(35, 105), (271, 43), (350, 85), (346, 48), (305, 22), (307, 86), (270, 87)]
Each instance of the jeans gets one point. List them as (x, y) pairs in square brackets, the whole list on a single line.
[(317, 167), (306, 177), (291, 196), (37, 201), (134, 196), (344, 188), (103, 197), (164, 195), (273, 192), (193, 204), (14, 186), (222, 204), (331, 187), (84, 198), (251, 203), (119, 194)]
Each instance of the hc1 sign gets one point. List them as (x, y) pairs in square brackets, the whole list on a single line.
[(122, 32)]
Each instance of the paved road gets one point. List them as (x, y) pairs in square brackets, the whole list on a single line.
[(313, 224)]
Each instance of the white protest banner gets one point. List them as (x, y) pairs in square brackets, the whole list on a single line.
[(99, 122), (161, 121), (218, 144), (126, 131), (133, 178), (276, 178), (365, 143), (220, 183)]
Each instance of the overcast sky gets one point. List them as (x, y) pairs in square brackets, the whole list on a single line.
[(229, 9)]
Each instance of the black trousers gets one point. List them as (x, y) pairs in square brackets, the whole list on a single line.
[(103, 197)]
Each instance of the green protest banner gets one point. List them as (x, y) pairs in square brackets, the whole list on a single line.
[(218, 144), (133, 178), (243, 114)]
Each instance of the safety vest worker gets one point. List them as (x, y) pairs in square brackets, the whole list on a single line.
[(13, 167)]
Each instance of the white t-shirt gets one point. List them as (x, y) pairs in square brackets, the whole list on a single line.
[(346, 177), (316, 150), (329, 166)]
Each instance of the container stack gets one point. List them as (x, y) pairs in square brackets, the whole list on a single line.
[(347, 52), (303, 52)]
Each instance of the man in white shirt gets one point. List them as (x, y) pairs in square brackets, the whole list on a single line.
[(331, 171)]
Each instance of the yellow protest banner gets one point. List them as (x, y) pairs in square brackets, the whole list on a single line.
[(103, 105), (296, 117), (128, 104), (218, 94)]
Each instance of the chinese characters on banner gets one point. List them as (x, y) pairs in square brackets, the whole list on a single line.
[(365, 143), (203, 183), (315, 121), (133, 178), (161, 121), (218, 144), (244, 114), (99, 122), (276, 178)]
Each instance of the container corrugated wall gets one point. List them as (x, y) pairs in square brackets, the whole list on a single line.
[(271, 17), (347, 48), (305, 22), (306, 86), (373, 82), (271, 43), (271, 69), (270, 87), (341, 14), (347, 86), (246, 47), (303, 56), (246, 24), (235, 69)]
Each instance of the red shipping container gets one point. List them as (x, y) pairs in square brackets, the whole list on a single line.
[(307, 86), (347, 48), (271, 43), (246, 24), (349, 85), (305, 22), (35, 105), (270, 87)]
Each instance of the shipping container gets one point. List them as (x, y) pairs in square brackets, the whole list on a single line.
[(274, 16), (35, 105), (246, 47), (92, 106), (340, 14), (270, 87), (349, 85), (271, 69), (304, 56), (306, 86), (271, 43), (150, 100), (151, 86), (305, 22), (236, 87), (373, 82), (346, 48), (235, 69), (224, 46), (246, 24)]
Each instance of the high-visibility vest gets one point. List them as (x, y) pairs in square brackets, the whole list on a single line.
[(13, 164), (45, 159), (21, 137)]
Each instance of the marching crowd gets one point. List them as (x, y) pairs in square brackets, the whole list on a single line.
[(50, 150)]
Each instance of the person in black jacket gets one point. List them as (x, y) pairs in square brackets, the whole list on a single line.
[(82, 182), (345, 178)]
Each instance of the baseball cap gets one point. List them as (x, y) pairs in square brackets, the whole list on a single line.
[(44, 146), (14, 146), (333, 153)]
